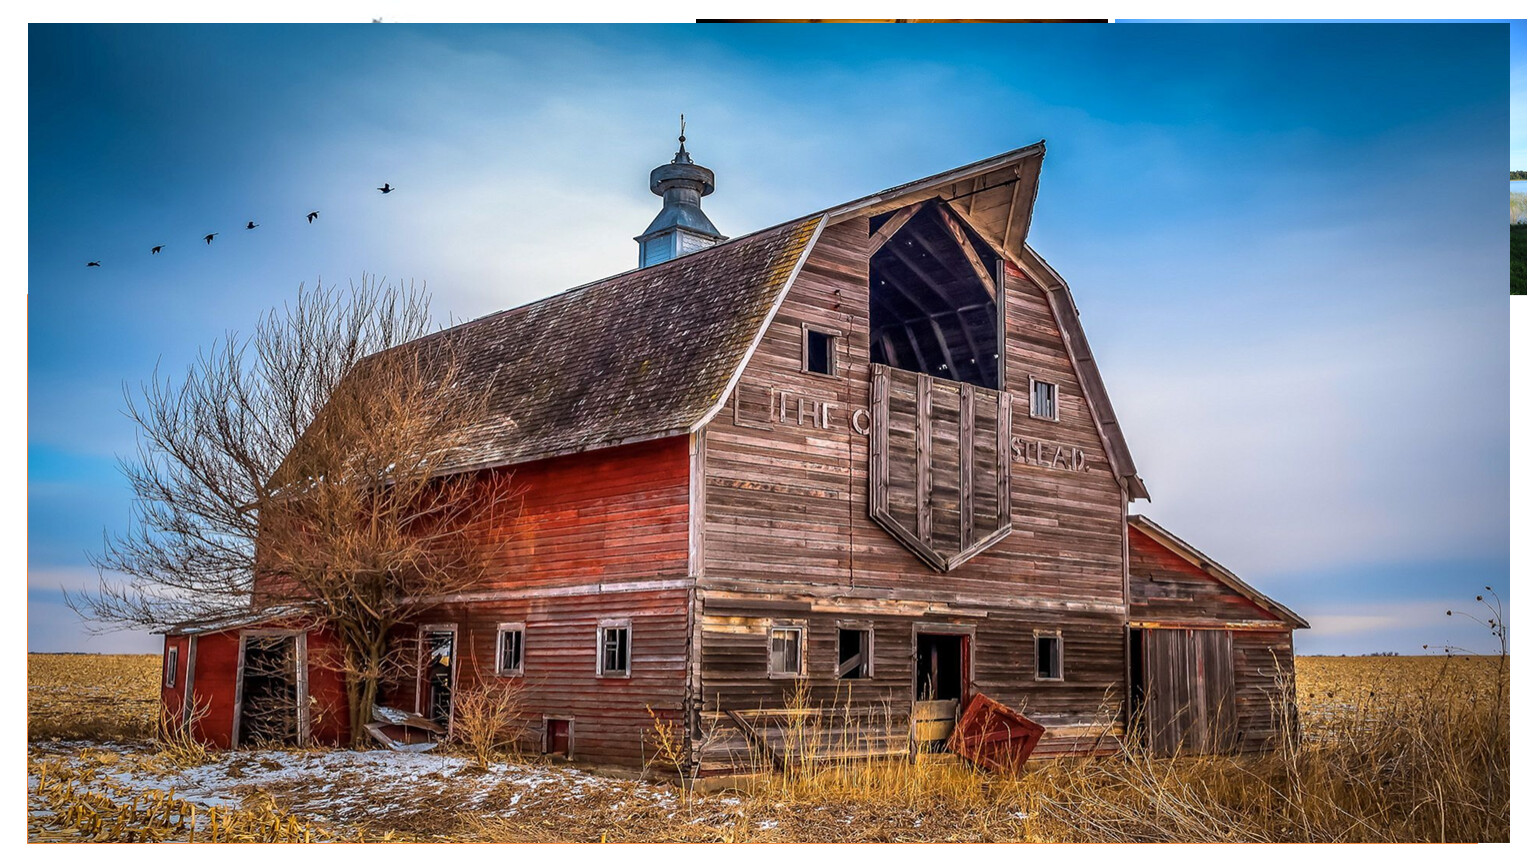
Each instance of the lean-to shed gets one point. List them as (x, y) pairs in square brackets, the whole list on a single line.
[(1211, 658)]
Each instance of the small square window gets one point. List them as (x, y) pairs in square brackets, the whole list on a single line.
[(1043, 402), (787, 655), (612, 640), (508, 651), (820, 350), (172, 660), (854, 655), (1049, 650)]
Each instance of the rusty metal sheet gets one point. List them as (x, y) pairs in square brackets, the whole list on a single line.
[(376, 730), (993, 736), (395, 717)]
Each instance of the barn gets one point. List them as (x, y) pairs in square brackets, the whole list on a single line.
[(845, 474)]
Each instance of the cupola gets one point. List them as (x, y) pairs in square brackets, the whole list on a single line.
[(681, 226)]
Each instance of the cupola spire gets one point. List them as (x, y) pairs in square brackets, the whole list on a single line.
[(681, 226)]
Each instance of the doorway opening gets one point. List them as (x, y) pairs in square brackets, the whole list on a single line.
[(439, 645), (269, 690), (942, 682), (556, 737)]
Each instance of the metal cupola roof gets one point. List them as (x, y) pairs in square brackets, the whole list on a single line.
[(681, 184)]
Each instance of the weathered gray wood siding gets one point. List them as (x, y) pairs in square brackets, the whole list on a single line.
[(787, 536)]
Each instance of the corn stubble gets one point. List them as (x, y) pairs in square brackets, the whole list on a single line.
[(1392, 749)]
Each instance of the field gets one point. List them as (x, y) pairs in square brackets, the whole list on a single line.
[(1394, 749), (1520, 259)]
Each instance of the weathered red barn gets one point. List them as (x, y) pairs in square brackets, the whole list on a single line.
[(860, 465)]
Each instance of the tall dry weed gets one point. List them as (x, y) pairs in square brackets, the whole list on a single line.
[(489, 721)]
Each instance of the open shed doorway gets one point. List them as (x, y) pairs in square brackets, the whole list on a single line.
[(942, 681), (270, 692)]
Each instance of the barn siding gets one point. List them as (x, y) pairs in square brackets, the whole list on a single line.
[(1168, 590), (610, 715), (614, 514), (1167, 587), (787, 520), (173, 699)]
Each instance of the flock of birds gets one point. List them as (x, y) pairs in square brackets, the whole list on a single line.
[(250, 225)]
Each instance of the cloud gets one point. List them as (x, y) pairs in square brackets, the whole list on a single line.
[(1326, 445)]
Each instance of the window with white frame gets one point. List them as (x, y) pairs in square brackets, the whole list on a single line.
[(172, 660), (508, 649), (1043, 400), (1049, 656), (612, 648), (786, 652)]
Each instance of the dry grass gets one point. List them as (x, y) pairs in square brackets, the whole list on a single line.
[(1394, 749), (94, 697)]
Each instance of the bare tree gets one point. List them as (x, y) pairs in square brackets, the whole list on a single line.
[(311, 468)]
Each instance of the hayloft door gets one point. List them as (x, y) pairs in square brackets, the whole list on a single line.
[(942, 681), (1188, 690)]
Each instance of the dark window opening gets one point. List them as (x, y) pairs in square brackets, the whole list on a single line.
[(269, 691), (1049, 652), (819, 356), (614, 650), (172, 659), (854, 655), (439, 657), (509, 657), (932, 297)]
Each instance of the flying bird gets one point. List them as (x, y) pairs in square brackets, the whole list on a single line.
[(385, 188), (156, 250), (93, 264), (209, 238), (250, 225), (312, 216)]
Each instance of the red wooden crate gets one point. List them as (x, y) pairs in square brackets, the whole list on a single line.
[(993, 736)]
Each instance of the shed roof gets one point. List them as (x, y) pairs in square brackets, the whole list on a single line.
[(1214, 568), (232, 621)]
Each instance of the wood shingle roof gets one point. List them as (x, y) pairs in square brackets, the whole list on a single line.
[(642, 355)]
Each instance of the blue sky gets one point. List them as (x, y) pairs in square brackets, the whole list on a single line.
[(1285, 241)]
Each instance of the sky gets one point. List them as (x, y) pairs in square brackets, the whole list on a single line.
[(1284, 240)]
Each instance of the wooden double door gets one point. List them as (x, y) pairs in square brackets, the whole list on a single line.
[(1184, 690)]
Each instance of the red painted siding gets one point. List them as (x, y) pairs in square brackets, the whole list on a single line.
[(1166, 587), (617, 513)]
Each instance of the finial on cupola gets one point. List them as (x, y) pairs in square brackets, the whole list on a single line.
[(681, 226)]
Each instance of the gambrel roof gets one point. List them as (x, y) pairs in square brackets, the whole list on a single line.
[(654, 352)]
